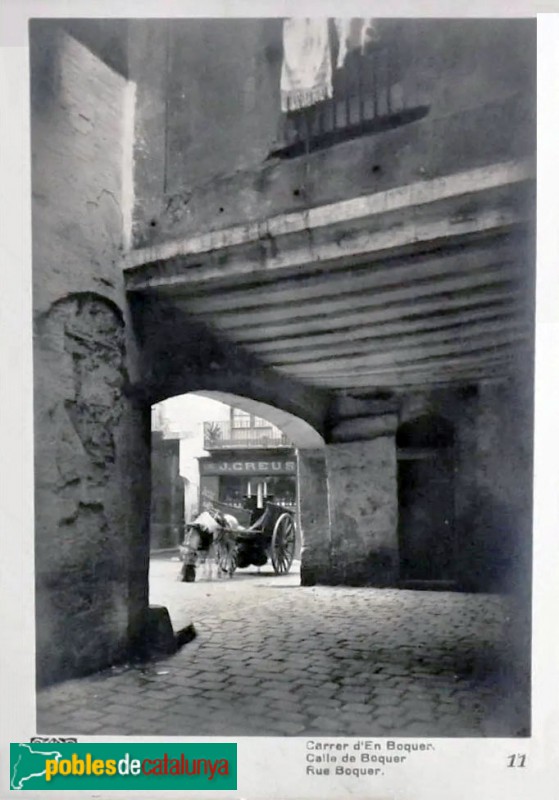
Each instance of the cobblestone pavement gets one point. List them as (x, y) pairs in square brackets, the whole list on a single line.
[(274, 658)]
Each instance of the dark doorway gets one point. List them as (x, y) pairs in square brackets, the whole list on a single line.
[(426, 527)]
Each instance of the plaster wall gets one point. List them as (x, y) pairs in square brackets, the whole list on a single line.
[(208, 116), (91, 436)]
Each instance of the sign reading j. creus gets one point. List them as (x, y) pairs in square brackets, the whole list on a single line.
[(263, 467)]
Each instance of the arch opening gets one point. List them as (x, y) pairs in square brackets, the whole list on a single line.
[(216, 451)]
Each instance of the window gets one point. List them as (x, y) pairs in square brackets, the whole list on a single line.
[(261, 423), (240, 419)]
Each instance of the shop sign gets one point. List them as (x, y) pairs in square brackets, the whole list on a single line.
[(284, 467)]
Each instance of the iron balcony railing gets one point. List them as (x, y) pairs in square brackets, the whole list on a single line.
[(222, 435), (368, 96), (228, 505)]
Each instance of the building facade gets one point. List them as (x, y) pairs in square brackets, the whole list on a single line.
[(248, 458)]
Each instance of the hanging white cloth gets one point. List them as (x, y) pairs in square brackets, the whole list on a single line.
[(306, 76), (343, 29), (354, 34)]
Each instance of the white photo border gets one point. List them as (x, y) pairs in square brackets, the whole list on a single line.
[(269, 767)]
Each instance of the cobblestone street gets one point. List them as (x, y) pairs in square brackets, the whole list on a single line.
[(273, 658)]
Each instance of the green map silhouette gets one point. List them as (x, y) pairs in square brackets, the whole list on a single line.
[(30, 764)]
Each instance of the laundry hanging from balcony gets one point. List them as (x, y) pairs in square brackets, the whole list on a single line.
[(307, 68), (306, 76), (354, 33)]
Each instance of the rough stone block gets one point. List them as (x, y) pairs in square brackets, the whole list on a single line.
[(363, 511), (159, 636)]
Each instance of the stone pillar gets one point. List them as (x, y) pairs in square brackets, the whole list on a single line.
[(91, 492), (363, 493), (92, 432), (314, 524)]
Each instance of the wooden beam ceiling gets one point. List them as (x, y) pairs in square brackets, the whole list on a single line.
[(426, 286)]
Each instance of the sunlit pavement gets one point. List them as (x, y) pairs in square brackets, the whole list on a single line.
[(203, 600), (273, 658)]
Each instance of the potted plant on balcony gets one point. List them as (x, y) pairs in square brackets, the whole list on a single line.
[(212, 433)]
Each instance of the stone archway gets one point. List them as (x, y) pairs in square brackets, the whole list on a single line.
[(179, 355), (426, 525)]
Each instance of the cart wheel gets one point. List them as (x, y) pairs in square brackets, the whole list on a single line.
[(282, 548)]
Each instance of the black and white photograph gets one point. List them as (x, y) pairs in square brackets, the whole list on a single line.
[(329, 236), (283, 290)]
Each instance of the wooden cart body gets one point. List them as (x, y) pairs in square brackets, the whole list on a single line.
[(270, 535)]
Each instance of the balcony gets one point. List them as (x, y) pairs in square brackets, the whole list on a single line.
[(222, 435)]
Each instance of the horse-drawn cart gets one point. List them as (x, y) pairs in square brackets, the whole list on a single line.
[(271, 536), (267, 534)]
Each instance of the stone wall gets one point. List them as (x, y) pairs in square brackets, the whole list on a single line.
[(504, 482), (206, 126), (91, 441), (493, 430), (489, 546)]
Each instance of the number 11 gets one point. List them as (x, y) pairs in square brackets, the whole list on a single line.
[(517, 760)]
